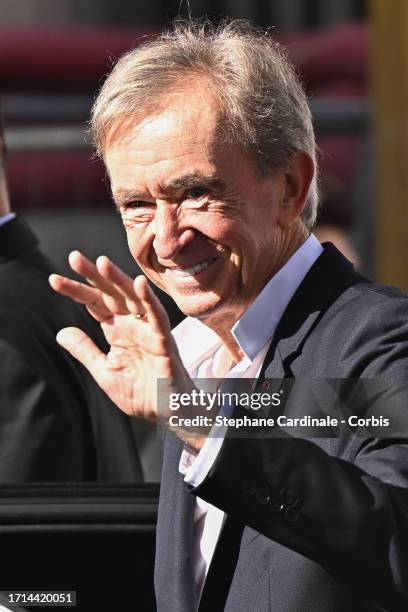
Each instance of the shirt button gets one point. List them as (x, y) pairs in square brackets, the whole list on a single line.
[(276, 504), (263, 495)]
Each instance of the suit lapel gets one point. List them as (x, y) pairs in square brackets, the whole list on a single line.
[(175, 581), (222, 567), (330, 275), (183, 546)]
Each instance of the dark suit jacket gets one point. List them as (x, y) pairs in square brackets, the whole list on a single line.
[(55, 423), (312, 525)]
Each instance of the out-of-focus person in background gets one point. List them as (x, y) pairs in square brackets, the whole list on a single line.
[(55, 423)]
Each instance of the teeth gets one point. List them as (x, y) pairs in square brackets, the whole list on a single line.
[(194, 269)]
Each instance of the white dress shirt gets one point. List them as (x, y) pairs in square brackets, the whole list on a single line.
[(253, 333)]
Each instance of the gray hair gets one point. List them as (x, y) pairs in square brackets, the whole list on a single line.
[(262, 102)]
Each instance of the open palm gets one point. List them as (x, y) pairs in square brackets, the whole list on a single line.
[(136, 326)]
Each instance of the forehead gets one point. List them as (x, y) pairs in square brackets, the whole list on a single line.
[(181, 131)]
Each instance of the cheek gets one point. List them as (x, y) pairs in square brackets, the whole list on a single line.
[(138, 244), (233, 234), (220, 229)]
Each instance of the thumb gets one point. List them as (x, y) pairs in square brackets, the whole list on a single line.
[(80, 346)]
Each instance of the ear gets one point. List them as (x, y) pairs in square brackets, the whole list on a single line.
[(298, 175)]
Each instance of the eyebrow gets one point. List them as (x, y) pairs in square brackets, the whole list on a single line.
[(195, 179), (187, 181)]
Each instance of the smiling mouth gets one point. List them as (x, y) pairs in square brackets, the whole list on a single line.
[(193, 270)]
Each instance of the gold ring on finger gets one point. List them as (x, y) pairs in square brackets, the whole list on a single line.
[(141, 316)]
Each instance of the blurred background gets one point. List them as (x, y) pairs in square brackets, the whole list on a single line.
[(55, 53)]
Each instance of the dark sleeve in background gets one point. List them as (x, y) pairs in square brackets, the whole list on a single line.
[(41, 430), (55, 422)]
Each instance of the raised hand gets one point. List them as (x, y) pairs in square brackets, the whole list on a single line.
[(137, 329)]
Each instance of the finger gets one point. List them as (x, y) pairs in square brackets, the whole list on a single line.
[(80, 346), (83, 266), (156, 314), (122, 282), (112, 297), (89, 296), (77, 291)]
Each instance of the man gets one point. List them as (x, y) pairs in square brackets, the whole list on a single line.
[(55, 423), (208, 142)]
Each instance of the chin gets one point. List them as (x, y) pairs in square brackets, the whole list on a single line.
[(198, 308)]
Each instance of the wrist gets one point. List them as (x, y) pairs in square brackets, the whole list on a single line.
[(194, 445)]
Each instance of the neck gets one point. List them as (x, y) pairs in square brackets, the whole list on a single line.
[(222, 321)]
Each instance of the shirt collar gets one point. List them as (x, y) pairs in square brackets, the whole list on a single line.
[(7, 217), (257, 325)]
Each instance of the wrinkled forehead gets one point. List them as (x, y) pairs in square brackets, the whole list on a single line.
[(186, 112), (147, 153)]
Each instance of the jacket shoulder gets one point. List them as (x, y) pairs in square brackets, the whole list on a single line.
[(363, 333)]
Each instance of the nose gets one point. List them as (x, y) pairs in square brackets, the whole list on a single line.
[(170, 236)]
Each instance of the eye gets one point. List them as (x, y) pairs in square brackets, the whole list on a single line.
[(137, 210), (195, 193), (136, 207), (135, 204)]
